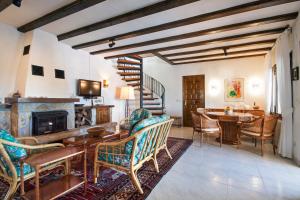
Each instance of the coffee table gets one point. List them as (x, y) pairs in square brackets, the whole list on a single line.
[(55, 188)]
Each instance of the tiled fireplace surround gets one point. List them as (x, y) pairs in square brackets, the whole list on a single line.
[(18, 119)]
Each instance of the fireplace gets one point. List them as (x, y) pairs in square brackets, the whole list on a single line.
[(49, 122)]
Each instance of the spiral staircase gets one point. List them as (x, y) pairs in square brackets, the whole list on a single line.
[(151, 91)]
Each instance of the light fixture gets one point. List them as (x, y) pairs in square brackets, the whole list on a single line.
[(111, 43), (225, 52), (127, 93), (105, 83), (17, 3)]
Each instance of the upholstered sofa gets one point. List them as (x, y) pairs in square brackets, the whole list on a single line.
[(146, 139), (11, 151)]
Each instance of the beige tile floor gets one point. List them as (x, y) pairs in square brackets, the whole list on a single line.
[(213, 173)]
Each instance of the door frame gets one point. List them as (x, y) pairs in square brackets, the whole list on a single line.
[(182, 84)]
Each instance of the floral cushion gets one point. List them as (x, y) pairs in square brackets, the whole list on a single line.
[(137, 116), (121, 160), (142, 137), (15, 153)]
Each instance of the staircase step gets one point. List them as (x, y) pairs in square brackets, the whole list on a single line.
[(138, 89), (129, 73), (147, 93), (131, 79), (153, 108), (128, 68), (149, 98), (123, 61), (151, 103), (135, 57), (133, 84)]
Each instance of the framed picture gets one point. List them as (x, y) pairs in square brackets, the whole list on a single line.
[(234, 89), (295, 74), (98, 101)]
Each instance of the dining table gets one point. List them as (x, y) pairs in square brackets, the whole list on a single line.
[(229, 124)]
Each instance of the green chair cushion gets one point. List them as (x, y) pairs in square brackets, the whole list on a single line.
[(137, 116), (121, 160), (15, 153), (27, 168), (142, 137)]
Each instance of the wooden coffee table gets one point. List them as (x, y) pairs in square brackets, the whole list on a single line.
[(59, 187)]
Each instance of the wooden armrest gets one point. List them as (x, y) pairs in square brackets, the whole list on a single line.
[(31, 147), (115, 143), (30, 139)]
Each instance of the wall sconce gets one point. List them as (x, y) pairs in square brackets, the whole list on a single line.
[(214, 88), (255, 86), (105, 83)]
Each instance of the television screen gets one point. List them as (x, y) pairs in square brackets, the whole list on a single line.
[(88, 88)]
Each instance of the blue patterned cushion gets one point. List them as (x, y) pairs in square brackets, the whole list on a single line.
[(142, 137), (15, 153), (27, 168), (121, 160), (137, 116)]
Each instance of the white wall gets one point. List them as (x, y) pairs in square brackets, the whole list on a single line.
[(10, 41), (296, 85), (46, 51), (251, 69)]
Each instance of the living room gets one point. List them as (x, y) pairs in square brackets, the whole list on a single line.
[(154, 92)]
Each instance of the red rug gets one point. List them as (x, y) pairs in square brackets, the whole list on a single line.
[(114, 185)]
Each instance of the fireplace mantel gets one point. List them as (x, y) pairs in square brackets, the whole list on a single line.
[(11, 100)]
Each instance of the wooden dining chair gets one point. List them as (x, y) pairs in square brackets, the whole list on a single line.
[(211, 126), (262, 128)]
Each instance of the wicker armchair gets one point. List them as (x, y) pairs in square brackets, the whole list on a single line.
[(210, 126), (262, 128), (196, 120), (12, 151), (128, 155)]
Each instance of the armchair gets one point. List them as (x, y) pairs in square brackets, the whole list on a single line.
[(147, 138), (262, 128), (12, 151), (210, 126)]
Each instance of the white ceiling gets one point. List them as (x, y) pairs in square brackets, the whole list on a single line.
[(32, 9)]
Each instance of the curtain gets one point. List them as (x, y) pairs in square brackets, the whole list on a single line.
[(268, 95), (285, 146)]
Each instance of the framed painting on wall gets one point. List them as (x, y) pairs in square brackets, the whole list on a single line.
[(234, 89)]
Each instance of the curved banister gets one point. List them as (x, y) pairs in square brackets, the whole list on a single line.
[(155, 87)]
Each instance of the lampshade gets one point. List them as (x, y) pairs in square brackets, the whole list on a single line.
[(127, 93)]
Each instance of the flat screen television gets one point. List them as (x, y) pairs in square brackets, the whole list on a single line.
[(88, 88)]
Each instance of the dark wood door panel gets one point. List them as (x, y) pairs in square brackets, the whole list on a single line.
[(193, 96)]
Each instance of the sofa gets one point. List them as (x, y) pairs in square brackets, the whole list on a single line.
[(146, 139)]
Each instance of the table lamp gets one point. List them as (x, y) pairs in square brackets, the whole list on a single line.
[(127, 93)]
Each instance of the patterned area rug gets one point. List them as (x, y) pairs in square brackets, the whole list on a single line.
[(114, 185)]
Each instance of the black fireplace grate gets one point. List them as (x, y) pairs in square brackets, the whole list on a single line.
[(49, 122)]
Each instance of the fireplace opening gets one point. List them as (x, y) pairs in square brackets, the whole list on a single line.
[(49, 122)]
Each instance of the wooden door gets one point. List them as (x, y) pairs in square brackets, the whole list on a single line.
[(193, 96)]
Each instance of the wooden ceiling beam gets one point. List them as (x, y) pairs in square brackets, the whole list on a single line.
[(188, 21), (230, 27), (207, 42), (163, 58), (222, 54), (4, 4), (62, 12), (263, 42), (139, 13), (217, 59)]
